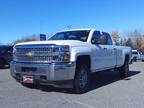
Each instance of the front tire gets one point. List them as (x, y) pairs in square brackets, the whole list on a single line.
[(124, 70), (81, 81)]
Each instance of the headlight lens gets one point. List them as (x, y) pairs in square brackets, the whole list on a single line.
[(65, 53)]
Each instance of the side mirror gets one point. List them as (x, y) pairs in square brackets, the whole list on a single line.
[(94, 41)]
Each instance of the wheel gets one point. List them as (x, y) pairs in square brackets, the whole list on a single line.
[(81, 81), (124, 70), (142, 60)]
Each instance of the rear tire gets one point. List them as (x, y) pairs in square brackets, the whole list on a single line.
[(82, 80), (124, 70)]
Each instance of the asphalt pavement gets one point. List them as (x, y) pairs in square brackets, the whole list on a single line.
[(107, 90)]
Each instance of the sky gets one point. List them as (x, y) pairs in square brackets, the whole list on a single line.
[(19, 18)]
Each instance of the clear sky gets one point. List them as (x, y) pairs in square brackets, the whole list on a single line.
[(20, 18)]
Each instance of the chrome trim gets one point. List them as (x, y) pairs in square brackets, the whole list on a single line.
[(35, 45)]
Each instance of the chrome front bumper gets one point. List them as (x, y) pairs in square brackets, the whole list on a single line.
[(56, 74)]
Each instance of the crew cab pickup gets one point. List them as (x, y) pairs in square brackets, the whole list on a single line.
[(68, 58)]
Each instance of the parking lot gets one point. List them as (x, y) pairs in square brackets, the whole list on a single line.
[(107, 91)]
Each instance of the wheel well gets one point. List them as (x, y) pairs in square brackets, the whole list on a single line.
[(84, 59)]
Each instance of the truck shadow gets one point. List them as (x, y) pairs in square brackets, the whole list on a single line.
[(105, 78), (98, 80)]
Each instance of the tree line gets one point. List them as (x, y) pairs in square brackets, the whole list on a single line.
[(133, 38)]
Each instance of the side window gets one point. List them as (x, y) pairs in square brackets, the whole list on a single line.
[(95, 37), (109, 40)]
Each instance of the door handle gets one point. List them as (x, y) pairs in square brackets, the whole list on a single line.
[(114, 48), (105, 48)]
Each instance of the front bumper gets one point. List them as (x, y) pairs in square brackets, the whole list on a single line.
[(55, 74)]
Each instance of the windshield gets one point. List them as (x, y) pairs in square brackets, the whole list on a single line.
[(71, 35)]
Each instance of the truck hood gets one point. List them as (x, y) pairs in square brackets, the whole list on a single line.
[(71, 43)]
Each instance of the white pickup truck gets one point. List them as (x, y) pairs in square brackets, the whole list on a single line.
[(68, 58)]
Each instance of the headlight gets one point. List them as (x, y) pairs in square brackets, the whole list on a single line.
[(63, 53), (66, 56), (65, 48)]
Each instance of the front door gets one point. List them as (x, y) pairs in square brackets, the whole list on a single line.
[(99, 55)]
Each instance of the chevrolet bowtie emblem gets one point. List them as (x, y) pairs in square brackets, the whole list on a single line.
[(29, 54)]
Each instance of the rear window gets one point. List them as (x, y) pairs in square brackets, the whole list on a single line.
[(109, 40)]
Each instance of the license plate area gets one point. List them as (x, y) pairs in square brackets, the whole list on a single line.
[(28, 79)]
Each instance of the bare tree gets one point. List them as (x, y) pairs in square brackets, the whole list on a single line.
[(129, 43), (135, 37), (26, 39), (142, 43)]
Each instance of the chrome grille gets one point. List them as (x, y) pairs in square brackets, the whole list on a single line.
[(38, 54)]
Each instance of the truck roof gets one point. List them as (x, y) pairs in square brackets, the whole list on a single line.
[(75, 29), (82, 29)]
